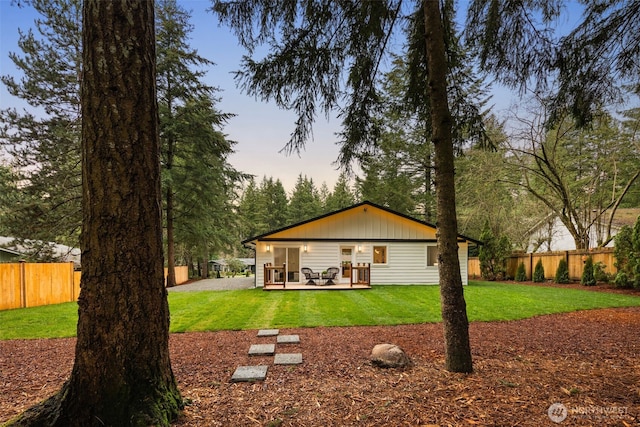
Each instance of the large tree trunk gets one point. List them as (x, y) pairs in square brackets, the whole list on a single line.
[(454, 311), (122, 373), (171, 250)]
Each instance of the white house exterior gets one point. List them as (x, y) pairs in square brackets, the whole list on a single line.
[(551, 234), (400, 250)]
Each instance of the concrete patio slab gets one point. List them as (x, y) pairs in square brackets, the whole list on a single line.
[(268, 332), (288, 359), (288, 339), (262, 349), (250, 373)]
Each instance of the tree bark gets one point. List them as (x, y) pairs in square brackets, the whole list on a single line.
[(454, 311), (122, 374), (171, 250)]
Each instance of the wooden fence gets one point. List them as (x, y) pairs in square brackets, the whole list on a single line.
[(575, 261), (33, 284)]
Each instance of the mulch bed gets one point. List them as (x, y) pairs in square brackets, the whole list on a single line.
[(587, 361)]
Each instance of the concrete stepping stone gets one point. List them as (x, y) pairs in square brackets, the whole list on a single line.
[(288, 359), (250, 373), (268, 332), (288, 339), (262, 349)]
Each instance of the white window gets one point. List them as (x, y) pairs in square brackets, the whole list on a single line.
[(432, 256), (379, 254)]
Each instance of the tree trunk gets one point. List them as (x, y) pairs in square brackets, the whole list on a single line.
[(171, 251), (122, 373), (454, 311)]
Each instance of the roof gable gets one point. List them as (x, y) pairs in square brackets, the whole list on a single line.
[(363, 221)]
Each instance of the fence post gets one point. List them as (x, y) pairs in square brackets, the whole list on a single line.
[(72, 288), (23, 284)]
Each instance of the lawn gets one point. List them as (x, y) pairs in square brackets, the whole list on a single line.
[(381, 305)]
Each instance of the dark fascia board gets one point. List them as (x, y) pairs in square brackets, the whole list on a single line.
[(9, 251), (264, 237)]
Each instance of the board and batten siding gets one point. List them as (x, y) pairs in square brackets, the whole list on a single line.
[(366, 223)]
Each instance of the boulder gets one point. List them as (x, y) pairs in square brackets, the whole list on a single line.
[(389, 356)]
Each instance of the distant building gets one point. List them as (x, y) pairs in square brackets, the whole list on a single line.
[(13, 251), (551, 234)]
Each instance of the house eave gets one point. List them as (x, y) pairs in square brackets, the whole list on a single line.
[(265, 236)]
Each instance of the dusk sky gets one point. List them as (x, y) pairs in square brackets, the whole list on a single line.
[(260, 129)]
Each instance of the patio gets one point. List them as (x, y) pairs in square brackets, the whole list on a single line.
[(275, 279), (302, 287)]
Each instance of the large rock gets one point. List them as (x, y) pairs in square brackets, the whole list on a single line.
[(389, 356)]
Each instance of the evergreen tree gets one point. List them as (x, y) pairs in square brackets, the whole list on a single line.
[(521, 274), (249, 216), (198, 182), (341, 197), (273, 204), (315, 47), (44, 142), (305, 202), (562, 273), (9, 194), (585, 69), (493, 254), (538, 272), (122, 373), (588, 279), (386, 184)]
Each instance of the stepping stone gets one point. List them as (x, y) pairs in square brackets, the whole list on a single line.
[(288, 339), (262, 349), (268, 332), (250, 373), (288, 359)]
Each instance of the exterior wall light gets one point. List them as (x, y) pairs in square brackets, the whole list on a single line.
[(359, 248), (268, 247), (304, 247)]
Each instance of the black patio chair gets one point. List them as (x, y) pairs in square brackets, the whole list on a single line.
[(330, 275), (310, 275)]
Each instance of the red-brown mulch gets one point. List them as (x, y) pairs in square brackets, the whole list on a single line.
[(588, 361)]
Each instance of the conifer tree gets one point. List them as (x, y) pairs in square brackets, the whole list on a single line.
[(317, 46), (122, 373), (43, 139), (305, 202), (198, 182), (538, 272), (562, 273)]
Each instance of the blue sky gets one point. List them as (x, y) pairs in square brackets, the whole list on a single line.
[(260, 129)]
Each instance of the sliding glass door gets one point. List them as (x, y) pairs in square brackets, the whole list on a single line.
[(290, 257)]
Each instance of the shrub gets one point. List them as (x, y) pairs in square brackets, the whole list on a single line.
[(588, 279), (622, 280), (538, 272), (562, 273), (521, 274), (599, 274), (493, 254), (627, 254)]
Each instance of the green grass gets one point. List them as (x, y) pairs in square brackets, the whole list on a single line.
[(382, 305)]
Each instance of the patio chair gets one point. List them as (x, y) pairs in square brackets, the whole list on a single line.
[(330, 275), (310, 275)]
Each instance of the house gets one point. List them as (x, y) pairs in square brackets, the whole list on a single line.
[(221, 265), (551, 234), (398, 249), (12, 251), (8, 255)]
